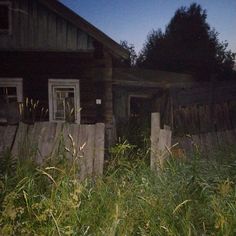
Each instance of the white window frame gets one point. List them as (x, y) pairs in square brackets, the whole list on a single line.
[(63, 83), (15, 83), (9, 30)]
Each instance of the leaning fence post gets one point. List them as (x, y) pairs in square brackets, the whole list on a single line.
[(155, 131), (160, 142)]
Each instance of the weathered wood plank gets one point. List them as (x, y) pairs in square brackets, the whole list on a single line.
[(7, 137), (155, 132), (98, 161), (36, 27), (20, 144), (71, 38)]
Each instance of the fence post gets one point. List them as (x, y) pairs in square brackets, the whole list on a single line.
[(99, 149), (160, 141), (155, 131)]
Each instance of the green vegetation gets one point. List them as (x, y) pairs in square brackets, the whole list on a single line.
[(195, 197)]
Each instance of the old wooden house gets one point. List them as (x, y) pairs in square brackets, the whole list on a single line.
[(55, 64)]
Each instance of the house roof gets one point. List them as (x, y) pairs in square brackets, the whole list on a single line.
[(151, 78), (84, 25)]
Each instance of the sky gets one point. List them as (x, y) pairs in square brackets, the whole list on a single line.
[(132, 20)]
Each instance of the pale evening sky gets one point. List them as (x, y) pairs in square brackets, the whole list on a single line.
[(132, 20)]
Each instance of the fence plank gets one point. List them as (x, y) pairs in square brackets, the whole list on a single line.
[(155, 131), (7, 137), (99, 149), (19, 142)]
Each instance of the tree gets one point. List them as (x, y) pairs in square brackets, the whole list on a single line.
[(131, 61), (187, 45)]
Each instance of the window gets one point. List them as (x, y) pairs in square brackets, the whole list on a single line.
[(139, 106), (5, 17), (11, 90), (64, 100), (11, 93)]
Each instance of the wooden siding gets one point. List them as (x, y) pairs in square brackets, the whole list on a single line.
[(34, 27), (37, 67)]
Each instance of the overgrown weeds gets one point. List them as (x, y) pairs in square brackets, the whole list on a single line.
[(186, 198)]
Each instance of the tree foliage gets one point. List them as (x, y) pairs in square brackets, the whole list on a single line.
[(188, 44), (130, 62)]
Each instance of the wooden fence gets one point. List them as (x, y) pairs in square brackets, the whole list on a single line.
[(45, 139), (204, 118), (205, 143), (164, 143)]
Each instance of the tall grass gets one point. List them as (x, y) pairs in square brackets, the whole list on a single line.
[(196, 197)]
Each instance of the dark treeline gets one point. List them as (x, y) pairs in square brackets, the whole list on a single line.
[(188, 45)]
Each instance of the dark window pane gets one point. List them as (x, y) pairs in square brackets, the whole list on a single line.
[(12, 99), (2, 91), (11, 90), (4, 17)]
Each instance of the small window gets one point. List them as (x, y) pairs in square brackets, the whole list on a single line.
[(11, 93), (5, 17), (64, 100), (11, 90), (139, 106)]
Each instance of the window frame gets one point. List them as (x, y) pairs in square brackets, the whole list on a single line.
[(130, 96), (13, 83), (63, 83), (9, 30)]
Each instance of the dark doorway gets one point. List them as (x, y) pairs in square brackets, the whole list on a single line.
[(140, 107)]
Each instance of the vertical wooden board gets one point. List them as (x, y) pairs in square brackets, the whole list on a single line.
[(155, 132), (167, 127), (89, 149), (30, 25), (212, 141), (32, 141), (2, 144), (99, 149), (35, 24), (71, 37), (82, 143), (48, 138), (35, 137), (57, 139), (164, 140), (204, 144), (220, 138), (70, 139), (163, 144), (74, 132), (82, 39), (16, 24), (52, 30), (24, 16), (9, 135), (90, 41), (42, 146), (201, 119), (19, 142), (196, 143), (61, 33), (42, 27), (187, 145), (231, 137)]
